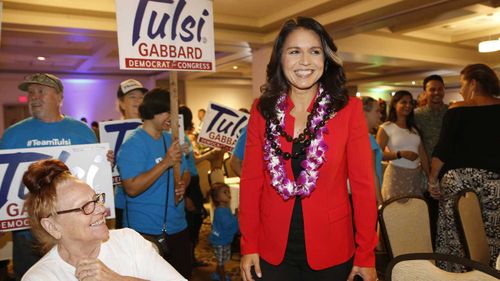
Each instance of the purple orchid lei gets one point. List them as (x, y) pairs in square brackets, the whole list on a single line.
[(315, 153)]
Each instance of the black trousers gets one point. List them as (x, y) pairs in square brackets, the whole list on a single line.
[(291, 270)]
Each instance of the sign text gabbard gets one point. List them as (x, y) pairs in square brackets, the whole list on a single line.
[(166, 34), (222, 126), (87, 162)]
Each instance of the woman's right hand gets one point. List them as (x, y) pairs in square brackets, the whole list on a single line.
[(407, 154), (247, 261), (96, 270)]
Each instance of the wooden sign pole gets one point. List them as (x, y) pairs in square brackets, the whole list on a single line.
[(174, 124)]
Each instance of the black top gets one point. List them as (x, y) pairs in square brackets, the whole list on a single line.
[(470, 138), (296, 248)]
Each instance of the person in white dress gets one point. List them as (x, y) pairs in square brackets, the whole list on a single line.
[(406, 154)]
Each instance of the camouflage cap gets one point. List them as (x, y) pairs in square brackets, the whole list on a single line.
[(42, 79)]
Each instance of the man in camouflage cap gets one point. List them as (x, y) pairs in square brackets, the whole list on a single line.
[(47, 126)]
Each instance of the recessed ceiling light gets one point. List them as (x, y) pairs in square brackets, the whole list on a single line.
[(41, 58), (489, 46), (235, 67), (413, 82)]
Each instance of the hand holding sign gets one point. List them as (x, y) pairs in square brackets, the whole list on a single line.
[(174, 154)]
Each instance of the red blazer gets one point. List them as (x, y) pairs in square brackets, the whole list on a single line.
[(328, 229)]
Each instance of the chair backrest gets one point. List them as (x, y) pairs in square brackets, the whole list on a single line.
[(405, 226), (418, 267), (470, 226)]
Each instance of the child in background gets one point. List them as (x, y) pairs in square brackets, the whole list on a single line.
[(372, 114), (224, 227)]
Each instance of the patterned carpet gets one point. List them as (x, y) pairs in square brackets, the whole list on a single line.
[(205, 253)]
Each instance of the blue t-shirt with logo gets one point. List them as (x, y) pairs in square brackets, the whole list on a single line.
[(224, 227), (145, 212), (32, 132)]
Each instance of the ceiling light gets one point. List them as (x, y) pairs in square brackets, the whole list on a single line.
[(235, 67), (41, 58), (489, 46), (413, 82)]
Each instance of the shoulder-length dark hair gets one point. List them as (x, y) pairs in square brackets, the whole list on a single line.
[(485, 77), (410, 120), (333, 79)]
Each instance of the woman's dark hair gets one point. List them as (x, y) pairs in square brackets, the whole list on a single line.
[(393, 117), (333, 79), (155, 101), (187, 116), (41, 179), (486, 78)]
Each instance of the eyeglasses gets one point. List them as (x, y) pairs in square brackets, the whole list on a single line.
[(89, 207)]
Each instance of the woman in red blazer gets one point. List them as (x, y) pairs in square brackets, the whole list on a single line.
[(305, 139)]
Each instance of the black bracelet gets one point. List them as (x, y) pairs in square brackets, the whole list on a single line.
[(398, 154)]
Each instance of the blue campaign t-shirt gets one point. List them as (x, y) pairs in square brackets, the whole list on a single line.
[(145, 212), (378, 158), (32, 132), (224, 227), (190, 158), (239, 149)]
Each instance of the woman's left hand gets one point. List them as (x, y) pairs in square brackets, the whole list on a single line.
[(95, 270), (367, 273), (110, 156)]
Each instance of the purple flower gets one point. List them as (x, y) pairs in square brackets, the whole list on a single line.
[(315, 154)]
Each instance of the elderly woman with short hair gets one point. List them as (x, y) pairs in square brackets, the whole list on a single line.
[(69, 220)]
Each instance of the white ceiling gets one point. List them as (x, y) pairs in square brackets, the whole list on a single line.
[(384, 43)]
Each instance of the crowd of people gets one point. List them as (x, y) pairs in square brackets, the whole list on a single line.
[(311, 167)]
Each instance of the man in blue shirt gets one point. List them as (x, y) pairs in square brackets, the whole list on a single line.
[(46, 127), (236, 160), (145, 162)]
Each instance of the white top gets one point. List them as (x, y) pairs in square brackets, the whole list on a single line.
[(402, 139), (126, 252)]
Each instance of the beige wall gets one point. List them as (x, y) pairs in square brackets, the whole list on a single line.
[(260, 59)]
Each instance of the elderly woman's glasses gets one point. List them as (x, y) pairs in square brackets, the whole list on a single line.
[(89, 207)]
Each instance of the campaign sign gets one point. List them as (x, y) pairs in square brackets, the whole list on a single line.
[(166, 35), (222, 126), (87, 162), (115, 133)]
